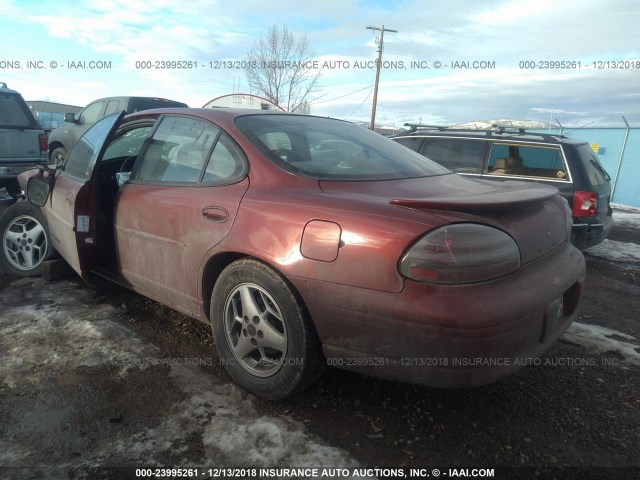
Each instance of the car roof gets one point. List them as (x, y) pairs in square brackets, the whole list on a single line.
[(216, 114), (130, 97)]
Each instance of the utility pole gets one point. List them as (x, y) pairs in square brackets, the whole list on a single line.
[(378, 65)]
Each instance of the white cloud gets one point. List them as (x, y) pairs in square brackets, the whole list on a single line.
[(513, 12), (506, 32)]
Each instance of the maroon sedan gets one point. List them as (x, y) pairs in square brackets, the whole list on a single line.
[(308, 241)]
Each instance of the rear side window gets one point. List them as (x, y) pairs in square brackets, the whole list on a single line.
[(177, 151), (226, 163), (527, 160), (327, 149), (596, 173), (460, 156), (14, 112)]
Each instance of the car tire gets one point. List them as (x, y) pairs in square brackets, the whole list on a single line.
[(58, 156), (263, 332), (25, 240)]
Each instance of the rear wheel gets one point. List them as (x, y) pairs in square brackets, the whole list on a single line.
[(25, 240), (263, 332)]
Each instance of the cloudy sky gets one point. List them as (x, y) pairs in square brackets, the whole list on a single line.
[(499, 36)]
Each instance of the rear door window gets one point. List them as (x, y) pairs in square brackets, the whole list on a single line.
[(177, 151), (458, 155), (14, 112), (544, 161)]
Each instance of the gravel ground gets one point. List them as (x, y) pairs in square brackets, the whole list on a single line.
[(93, 380)]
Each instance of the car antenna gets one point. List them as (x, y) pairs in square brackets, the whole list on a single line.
[(583, 126)]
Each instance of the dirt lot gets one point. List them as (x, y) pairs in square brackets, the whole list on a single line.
[(92, 380)]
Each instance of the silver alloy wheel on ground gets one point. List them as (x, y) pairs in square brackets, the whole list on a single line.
[(25, 242), (255, 330)]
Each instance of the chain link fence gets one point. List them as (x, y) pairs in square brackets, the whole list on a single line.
[(618, 150)]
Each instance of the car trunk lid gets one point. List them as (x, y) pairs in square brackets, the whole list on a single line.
[(535, 216)]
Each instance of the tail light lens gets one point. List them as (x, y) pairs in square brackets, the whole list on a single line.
[(43, 142), (585, 204), (461, 253)]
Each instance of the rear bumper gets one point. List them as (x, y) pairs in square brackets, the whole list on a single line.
[(449, 336), (590, 231), (12, 170)]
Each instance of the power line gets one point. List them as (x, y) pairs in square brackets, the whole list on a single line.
[(358, 107), (342, 96)]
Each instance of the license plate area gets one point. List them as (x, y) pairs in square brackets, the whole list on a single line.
[(552, 314)]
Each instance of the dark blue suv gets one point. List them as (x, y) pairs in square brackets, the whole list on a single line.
[(501, 154)]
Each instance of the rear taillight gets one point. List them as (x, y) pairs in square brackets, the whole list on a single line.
[(43, 142), (461, 253), (585, 204)]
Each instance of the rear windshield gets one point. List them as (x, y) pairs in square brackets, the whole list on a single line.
[(328, 149), (597, 174), (139, 104), (14, 112)]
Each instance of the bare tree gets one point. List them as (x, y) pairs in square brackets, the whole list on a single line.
[(282, 69)]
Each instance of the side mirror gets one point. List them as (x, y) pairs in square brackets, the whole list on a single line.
[(38, 189), (69, 118)]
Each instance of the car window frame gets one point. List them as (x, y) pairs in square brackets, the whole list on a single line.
[(198, 183), (371, 146), (90, 166), (33, 123), (516, 143), (125, 128), (241, 175), (100, 112), (485, 153)]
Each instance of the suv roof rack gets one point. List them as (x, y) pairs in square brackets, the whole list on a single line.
[(413, 127), (494, 130)]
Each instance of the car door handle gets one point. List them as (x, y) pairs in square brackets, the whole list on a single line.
[(215, 214), (70, 198)]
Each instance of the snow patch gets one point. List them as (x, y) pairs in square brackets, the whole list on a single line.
[(232, 431), (616, 251), (627, 218), (598, 339), (47, 330)]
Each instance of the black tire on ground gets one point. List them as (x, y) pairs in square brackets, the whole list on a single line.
[(263, 332), (25, 240), (58, 156), (12, 186)]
